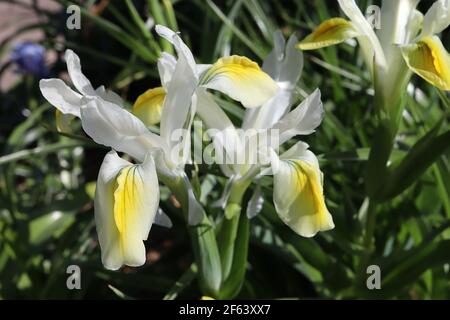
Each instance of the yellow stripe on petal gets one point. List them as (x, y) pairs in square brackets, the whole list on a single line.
[(330, 32), (429, 59), (299, 199), (134, 210), (148, 106), (241, 79)]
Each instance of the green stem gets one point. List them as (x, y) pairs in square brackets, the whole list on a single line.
[(233, 240), (368, 241), (203, 239)]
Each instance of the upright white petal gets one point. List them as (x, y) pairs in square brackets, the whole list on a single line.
[(61, 96), (176, 110), (112, 126), (126, 202), (225, 136), (79, 80), (166, 67), (352, 11), (303, 120), (436, 19), (395, 22), (284, 65), (181, 48), (272, 63)]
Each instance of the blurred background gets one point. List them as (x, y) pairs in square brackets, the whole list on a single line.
[(47, 178)]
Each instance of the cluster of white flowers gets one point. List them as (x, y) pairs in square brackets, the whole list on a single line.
[(127, 194)]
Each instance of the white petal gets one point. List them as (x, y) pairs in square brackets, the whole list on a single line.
[(162, 219), (109, 95), (360, 22), (272, 62), (284, 64), (181, 48), (177, 104), (166, 67), (303, 120), (395, 23), (298, 197), (224, 134), (436, 19), (108, 234), (61, 96), (269, 113), (79, 80), (126, 202), (112, 126), (241, 79), (210, 112), (256, 203)]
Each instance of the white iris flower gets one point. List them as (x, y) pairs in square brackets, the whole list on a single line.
[(298, 184), (406, 40), (127, 194)]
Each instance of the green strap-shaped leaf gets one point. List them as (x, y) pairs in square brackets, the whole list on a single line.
[(421, 156)]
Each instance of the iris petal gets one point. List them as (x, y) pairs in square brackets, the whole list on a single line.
[(241, 79), (330, 32), (429, 59), (148, 106)]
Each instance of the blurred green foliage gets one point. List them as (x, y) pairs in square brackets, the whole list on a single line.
[(46, 178)]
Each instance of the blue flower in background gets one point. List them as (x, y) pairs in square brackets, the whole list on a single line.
[(30, 58)]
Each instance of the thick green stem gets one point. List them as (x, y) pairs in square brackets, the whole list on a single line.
[(233, 241), (203, 239)]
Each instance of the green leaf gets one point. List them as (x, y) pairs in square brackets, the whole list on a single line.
[(421, 156), (207, 257), (184, 281), (49, 225)]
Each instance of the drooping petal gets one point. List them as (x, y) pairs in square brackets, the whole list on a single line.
[(126, 201), (303, 120), (436, 19), (63, 121), (112, 126), (298, 195), (429, 59), (148, 106), (330, 32), (79, 80), (241, 79), (136, 199), (61, 96)]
